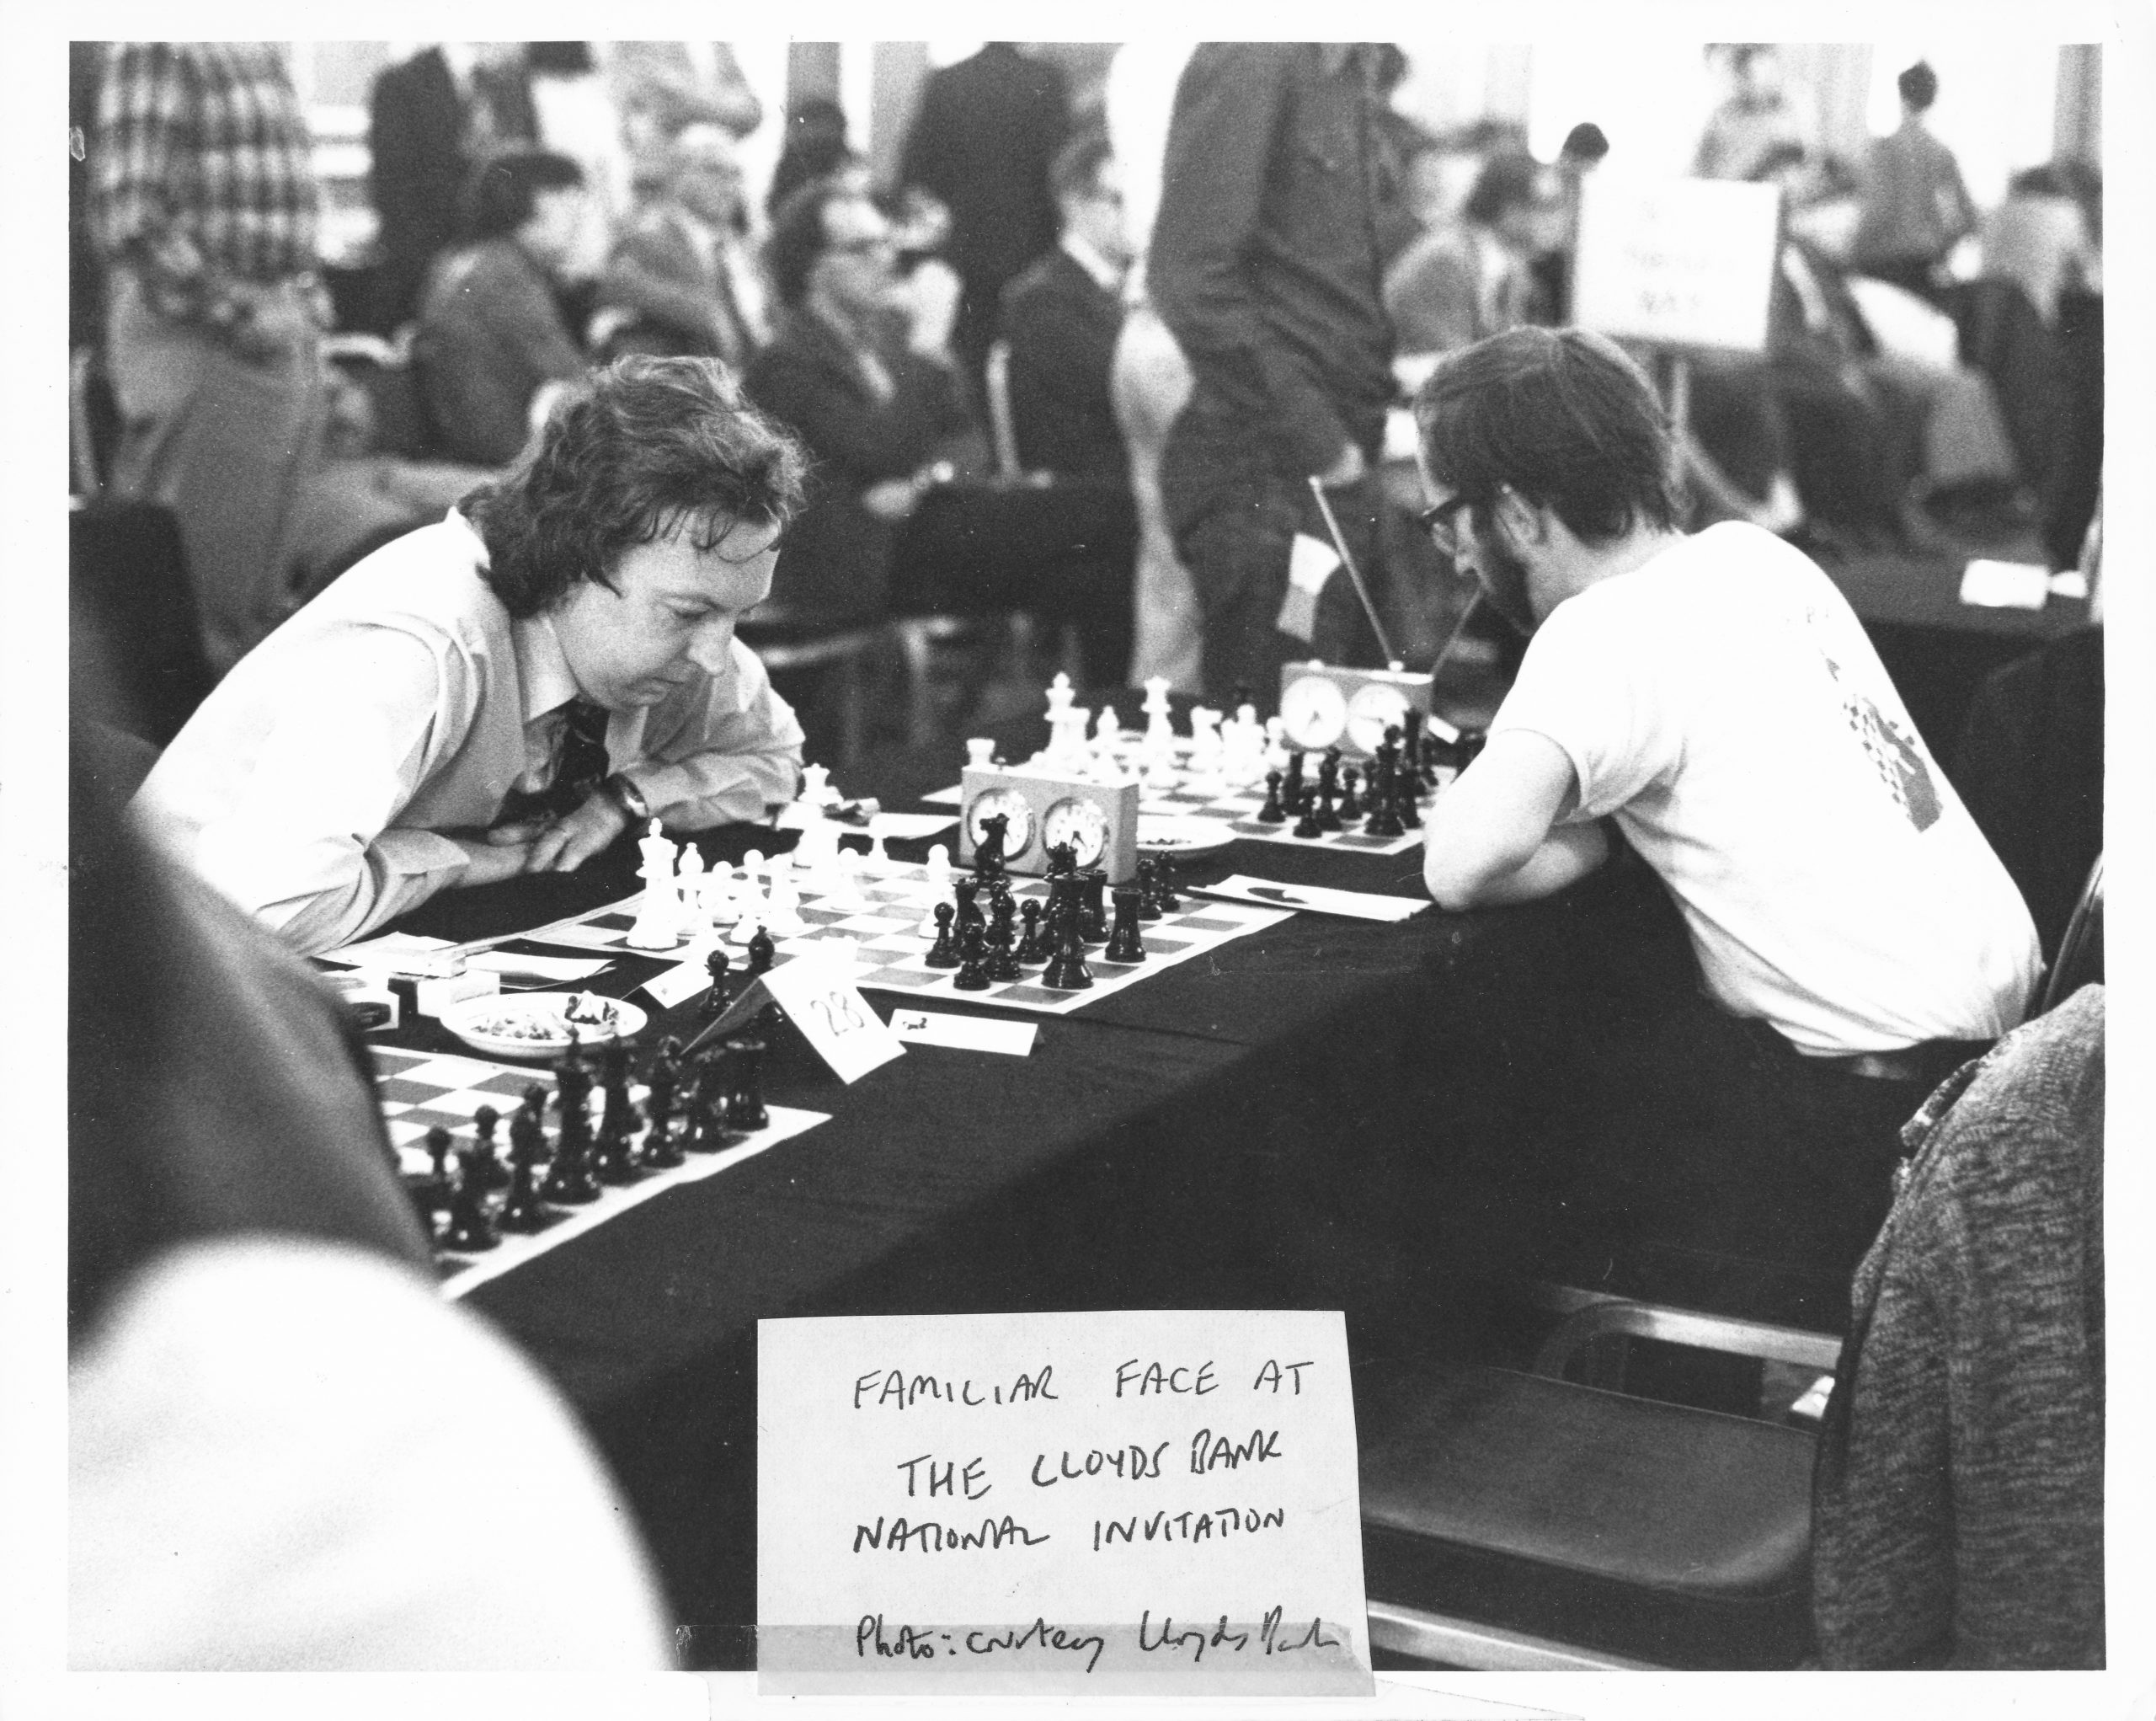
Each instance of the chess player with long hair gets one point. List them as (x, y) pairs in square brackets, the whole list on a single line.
[(286, 1452), (509, 690)]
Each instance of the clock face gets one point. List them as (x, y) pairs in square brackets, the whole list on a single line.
[(1313, 711), (1372, 710), (1078, 822), (1018, 834)]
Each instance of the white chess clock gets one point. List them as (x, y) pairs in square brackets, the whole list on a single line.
[(1322, 706), (1098, 819), (1017, 831)]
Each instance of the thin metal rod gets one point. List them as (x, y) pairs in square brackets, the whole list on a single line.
[(1354, 574), (1459, 628)]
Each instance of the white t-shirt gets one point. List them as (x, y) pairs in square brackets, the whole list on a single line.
[(1722, 703)]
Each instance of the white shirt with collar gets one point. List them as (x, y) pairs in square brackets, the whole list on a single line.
[(312, 785), (1106, 275)]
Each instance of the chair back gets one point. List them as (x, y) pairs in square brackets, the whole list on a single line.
[(2080, 960), (1004, 427)]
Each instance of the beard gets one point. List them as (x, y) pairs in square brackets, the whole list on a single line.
[(1502, 576)]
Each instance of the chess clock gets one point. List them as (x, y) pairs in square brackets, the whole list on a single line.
[(1098, 819), (1321, 706)]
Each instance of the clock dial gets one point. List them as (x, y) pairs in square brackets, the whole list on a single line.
[(1371, 711), (1017, 833), (1078, 822), (1313, 711)]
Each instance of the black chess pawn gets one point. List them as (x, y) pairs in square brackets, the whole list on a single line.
[(717, 964), (436, 1189), (762, 952), (1124, 943), (972, 966), (944, 952), (1002, 955), (710, 1101), (1066, 970), (470, 1228), (660, 1150), (1274, 811), (745, 1108), (1307, 825), (1092, 906), (493, 1174), (1350, 808), (523, 1210), (1030, 947), (1163, 884)]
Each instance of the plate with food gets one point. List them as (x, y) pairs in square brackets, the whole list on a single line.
[(1166, 833), (538, 1024)]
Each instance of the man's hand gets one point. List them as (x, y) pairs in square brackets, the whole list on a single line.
[(1350, 468), (499, 854), (573, 838)]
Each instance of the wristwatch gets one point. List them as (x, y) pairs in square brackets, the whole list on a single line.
[(626, 795)]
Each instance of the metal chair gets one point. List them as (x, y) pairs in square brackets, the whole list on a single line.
[(1522, 1522)]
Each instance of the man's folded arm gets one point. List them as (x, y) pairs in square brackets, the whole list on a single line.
[(308, 840), (1495, 837)]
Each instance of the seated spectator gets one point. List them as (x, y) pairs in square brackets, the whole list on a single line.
[(816, 149), (1462, 282), (1061, 317), (877, 411), (682, 274), (492, 337), (661, 88), (1915, 208)]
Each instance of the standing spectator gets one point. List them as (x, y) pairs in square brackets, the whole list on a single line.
[(663, 87), (1915, 208), (1061, 317), (876, 412), (431, 119), (578, 118), (1757, 117), (683, 271), (491, 337), (1264, 265), (205, 208), (816, 147), (982, 141)]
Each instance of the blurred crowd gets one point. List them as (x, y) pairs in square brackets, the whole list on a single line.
[(1931, 382)]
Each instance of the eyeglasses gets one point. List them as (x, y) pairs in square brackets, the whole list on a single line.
[(1437, 521)]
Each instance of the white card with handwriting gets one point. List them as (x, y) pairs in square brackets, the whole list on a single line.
[(822, 1002), (1111, 1504)]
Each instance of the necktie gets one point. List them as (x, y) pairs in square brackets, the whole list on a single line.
[(580, 765)]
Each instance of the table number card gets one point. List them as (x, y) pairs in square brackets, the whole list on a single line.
[(1110, 1504), (820, 997)]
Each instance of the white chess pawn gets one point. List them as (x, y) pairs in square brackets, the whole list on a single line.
[(980, 752), (783, 912), (689, 893), (847, 896), (938, 885), (657, 925), (748, 905)]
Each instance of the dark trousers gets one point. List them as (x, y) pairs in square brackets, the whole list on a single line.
[(1234, 516)]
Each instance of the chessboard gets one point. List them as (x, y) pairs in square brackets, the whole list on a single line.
[(1176, 792), (890, 948), (418, 1090)]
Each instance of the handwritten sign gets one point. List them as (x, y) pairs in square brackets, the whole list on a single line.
[(1109, 1503), (1684, 262), (819, 996)]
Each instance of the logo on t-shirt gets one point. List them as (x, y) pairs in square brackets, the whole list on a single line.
[(1894, 754)]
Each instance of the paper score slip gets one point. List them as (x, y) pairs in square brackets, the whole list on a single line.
[(1108, 1504), (1360, 904), (965, 1032), (2006, 585)]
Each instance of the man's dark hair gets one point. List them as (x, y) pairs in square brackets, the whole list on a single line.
[(1918, 85), (798, 237), (503, 190), (647, 445), (1559, 416), (1076, 166), (1585, 142), (1506, 182)]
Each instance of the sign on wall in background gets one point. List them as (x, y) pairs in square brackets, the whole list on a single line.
[(1679, 262), (1108, 1504)]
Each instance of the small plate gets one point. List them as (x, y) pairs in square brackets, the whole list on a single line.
[(1166, 833), (534, 1024)]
